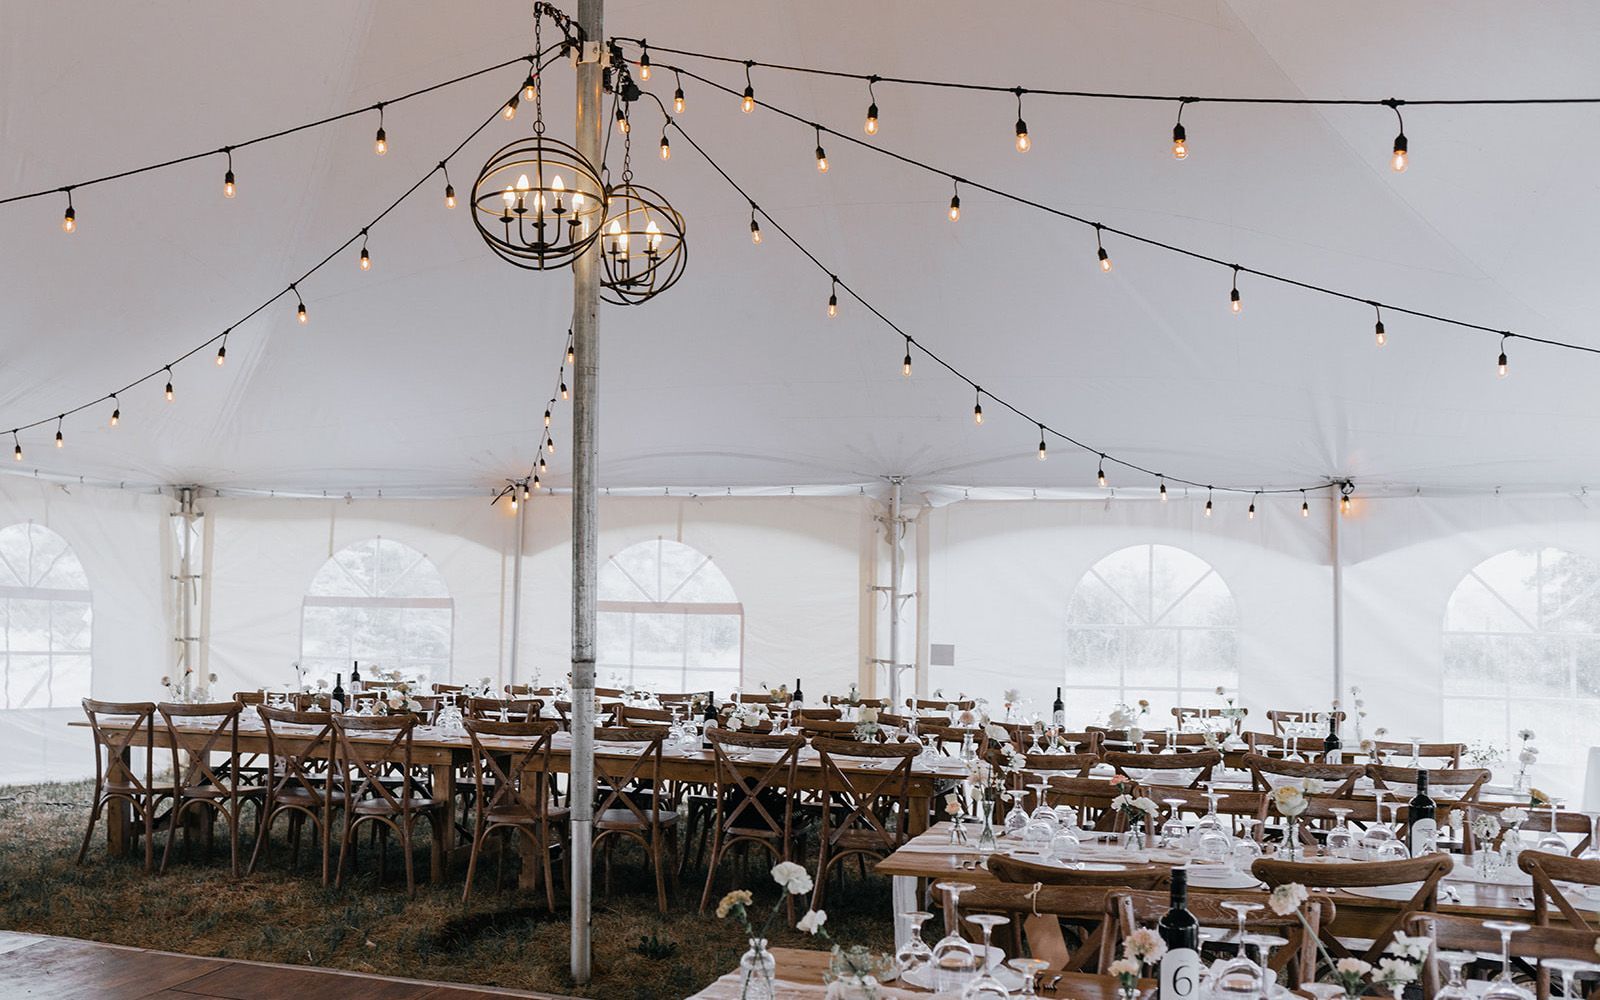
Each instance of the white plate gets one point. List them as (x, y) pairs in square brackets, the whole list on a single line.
[(1221, 878), (1403, 891)]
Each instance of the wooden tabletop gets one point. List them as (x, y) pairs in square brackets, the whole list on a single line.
[(56, 968)]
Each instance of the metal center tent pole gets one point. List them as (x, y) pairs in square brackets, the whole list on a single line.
[(585, 342)]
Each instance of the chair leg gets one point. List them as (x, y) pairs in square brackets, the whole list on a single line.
[(344, 842), (88, 834), (405, 847), (175, 820), (544, 850), (711, 871)]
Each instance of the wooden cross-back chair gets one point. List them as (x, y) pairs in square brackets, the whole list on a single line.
[(602, 711), (1425, 871), (198, 782), (679, 697), (1460, 783), (1127, 911), (1058, 923), (1092, 798), (1181, 712), (1538, 821), (439, 688), (1320, 817), (528, 691), (1547, 869), (513, 794), (866, 797), (1201, 762), (1089, 931), (638, 715), (375, 763), (119, 728), (250, 697), (1178, 742), (1468, 934), (300, 788), (755, 799), (633, 804), (504, 710), (1267, 773)]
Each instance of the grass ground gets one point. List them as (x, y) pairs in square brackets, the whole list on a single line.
[(505, 938)]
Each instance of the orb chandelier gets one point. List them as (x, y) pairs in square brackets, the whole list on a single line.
[(642, 252), (538, 202)]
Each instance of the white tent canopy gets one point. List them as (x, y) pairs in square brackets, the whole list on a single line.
[(428, 374)]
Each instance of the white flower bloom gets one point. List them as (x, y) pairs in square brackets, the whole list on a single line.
[(1123, 967), (1514, 816), (1144, 946), (1013, 695), (1352, 967), (1412, 948), (1395, 971), (812, 921), (794, 878), (1289, 800), (1286, 898), (996, 733)]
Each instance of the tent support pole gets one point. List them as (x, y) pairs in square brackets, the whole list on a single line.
[(1337, 544), (896, 570), (516, 588), (585, 341)]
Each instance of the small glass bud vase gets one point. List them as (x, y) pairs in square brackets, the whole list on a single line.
[(757, 968)]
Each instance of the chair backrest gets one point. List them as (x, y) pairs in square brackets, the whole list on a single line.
[(217, 722), (1181, 742), (514, 779), (747, 788), (629, 782), (119, 728), (1132, 910), (1212, 712), (297, 764), (1537, 944), (1461, 783), (1279, 716), (1547, 869), (439, 688), (818, 728), (1009, 869), (366, 743), (1130, 764), (870, 799), (1424, 872), (515, 710), (939, 704), (250, 697), (949, 739), (1237, 802), (1450, 753), (1538, 821), (1266, 773), (819, 714), (528, 690), (1040, 909), (1092, 798), (1070, 764), (753, 698), (843, 701), (679, 697), (638, 715)]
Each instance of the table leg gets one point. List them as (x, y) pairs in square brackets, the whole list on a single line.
[(118, 818), (903, 899), (444, 787)]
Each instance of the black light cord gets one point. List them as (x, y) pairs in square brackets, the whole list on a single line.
[(911, 341), (871, 78), (1102, 228), (232, 148), (292, 287), (530, 483)]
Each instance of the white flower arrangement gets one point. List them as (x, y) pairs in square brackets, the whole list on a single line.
[(1409, 947), (1135, 808), (1289, 800), (812, 922), (1144, 946), (1286, 899), (794, 878), (1014, 761), (1485, 826), (1514, 816)]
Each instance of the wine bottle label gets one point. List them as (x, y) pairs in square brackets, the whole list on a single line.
[(1180, 974), (1424, 837), (1059, 717)]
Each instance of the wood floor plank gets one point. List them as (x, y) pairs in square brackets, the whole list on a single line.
[(64, 969)]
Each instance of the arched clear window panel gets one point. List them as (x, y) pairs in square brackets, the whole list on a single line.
[(669, 620), (382, 603), (1522, 651), (48, 620), (1152, 622)]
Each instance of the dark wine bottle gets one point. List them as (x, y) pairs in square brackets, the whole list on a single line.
[(797, 699), (336, 700), (355, 676), (1423, 832), (1180, 931), (1330, 744), (1058, 711)]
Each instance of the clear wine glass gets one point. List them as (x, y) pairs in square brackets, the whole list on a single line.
[(1066, 847), (1017, 815), (1173, 832), (1416, 752), (1552, 841), (1034, 747), (954, 961), (986, 986), (914, 956), (1503, 986), (1238, 976), (1071, 745), (1246, 849), (1340, 838), (1376, 833), (1042, 811), (1294, 748), (1264, 944), (1593, 851), (1210, 821), (1030, 969), (1568, 967), (1455, 988)]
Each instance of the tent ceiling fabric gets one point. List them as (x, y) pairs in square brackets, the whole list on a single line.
[(430, 372)]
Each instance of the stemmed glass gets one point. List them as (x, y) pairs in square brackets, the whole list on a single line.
[(1238, 976), (1035, 747), (1552, 841), (1593, 852), (1568, 967), (1416, 752), (1210, 821), (1017, 815), (1065, 846), (1456, 987), (1377, 834), (1030, 969), (1503, 987), (914, 956), (1294, 748), (1172, 832), (986, 985), (1340, 839), (954, 962), (1042, 811), (1246, 849), (1264, 944)]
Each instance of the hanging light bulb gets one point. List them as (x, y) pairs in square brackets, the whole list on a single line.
[(666, 147), (1377, 330), (542, 466), (449, 195), (1208, 501), (547, 418), (229, 189), (1399, 161), (16, 451), (565, 395), (1162, 493), (300, 309), (1180, 142), (572, 354), (644, 64), (1234, 301), (822, 157), (1044, 452), (677, 94), (1305, 505), (1252, 511), (955, 201), (748, 104), (977, 409), (169, 393), (513, 499), (755, 227), (116, 410), (222, 352), (1023, 142), (1105, 258), (872, 119), (1344, 503), (550, 445), (366, 258), (833, 298), (1100, 474), (61, 442), (622, 120), (69, 220), (530, 88), (509, 112), (525, 492), (380, 141), (905, 364), (1501, 367)]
